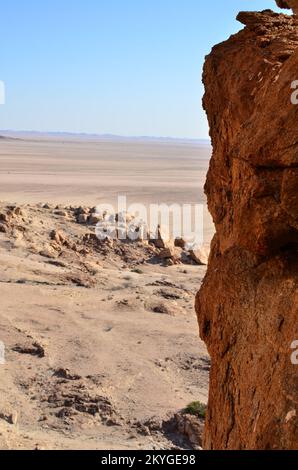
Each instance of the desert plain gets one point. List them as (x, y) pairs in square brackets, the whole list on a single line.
[(102, 347)]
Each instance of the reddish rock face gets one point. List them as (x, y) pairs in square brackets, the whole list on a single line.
[(290, 4), (248, 304)]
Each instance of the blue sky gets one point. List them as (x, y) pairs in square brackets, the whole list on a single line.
[(127, 67)]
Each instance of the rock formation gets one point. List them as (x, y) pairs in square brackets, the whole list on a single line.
[(248, 304), (289, 4)]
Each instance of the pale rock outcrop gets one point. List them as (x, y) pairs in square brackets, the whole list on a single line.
[(200, 255)]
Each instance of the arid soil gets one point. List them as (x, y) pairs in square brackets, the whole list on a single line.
[(101, 341)]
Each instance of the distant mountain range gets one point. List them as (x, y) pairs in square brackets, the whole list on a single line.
[(95, 137)]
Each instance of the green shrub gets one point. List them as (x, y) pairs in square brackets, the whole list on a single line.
[(196, 408)]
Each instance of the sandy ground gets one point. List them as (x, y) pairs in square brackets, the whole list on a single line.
[(89, 173), (101, 342)]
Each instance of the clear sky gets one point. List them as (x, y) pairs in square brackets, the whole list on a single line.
[(126, 67)]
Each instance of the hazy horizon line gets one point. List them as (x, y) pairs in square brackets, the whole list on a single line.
[(11, 132)]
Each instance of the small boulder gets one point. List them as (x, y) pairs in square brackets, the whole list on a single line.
[(18, 211), (160, 239), (171, 255), (82, 210), (58, 237), (4, 218), (94, 218), (48, 252), (191, 427), (180, 243), (82, 219), (11, 417), (200, 255), (3, 228), (166, 253), (137, 232), (61, 213)]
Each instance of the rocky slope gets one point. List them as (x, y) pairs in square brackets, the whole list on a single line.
[(248, 304), (101, 345)]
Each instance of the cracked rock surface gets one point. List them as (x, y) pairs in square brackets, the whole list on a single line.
[(248, 304)]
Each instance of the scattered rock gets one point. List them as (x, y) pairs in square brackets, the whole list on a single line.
[(4, 218), (93, 219), (11, 417), (82, 219), (48, 252), (200, 255), (58, 237), (33, 349), (3, 228), (65, 374), (161, 307), (58, 263), (160, 240), (61, 213), (19, 212), (82, 211), (168, 294), (180, 243), (166, 253), (192, 427), (70, 398)]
